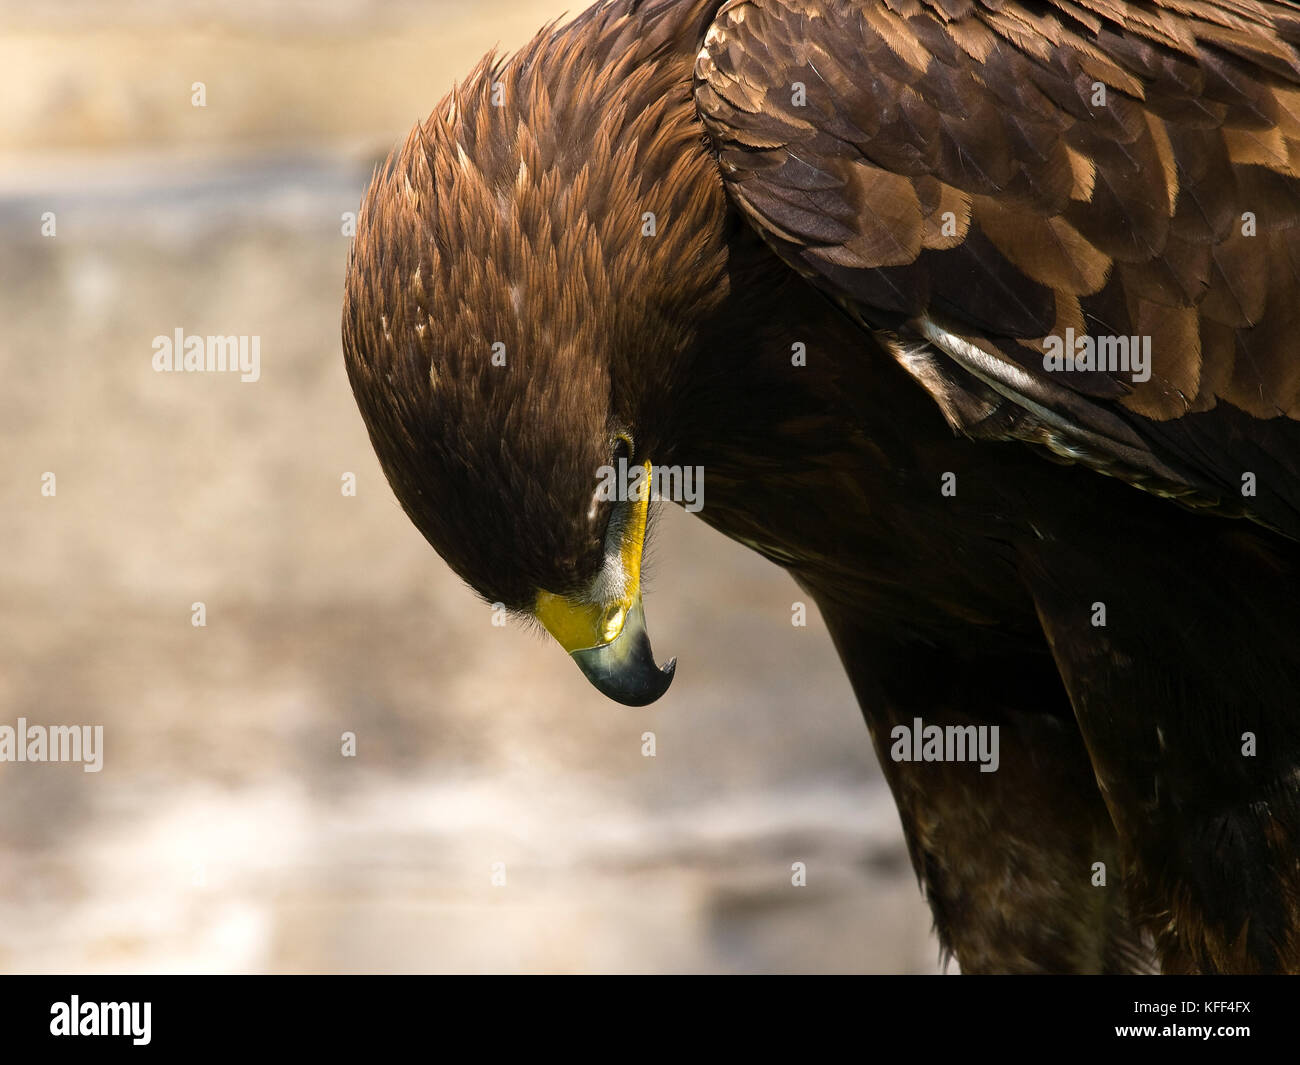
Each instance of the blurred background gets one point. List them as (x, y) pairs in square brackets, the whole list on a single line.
[(226, 831)]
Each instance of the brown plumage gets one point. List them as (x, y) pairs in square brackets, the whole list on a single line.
[(925, 195)]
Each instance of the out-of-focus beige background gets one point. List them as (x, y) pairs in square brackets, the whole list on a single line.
[(226, 832)]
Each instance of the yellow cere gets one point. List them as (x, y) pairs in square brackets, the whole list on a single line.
[(577, 625)]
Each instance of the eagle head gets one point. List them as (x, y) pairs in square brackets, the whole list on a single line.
[(522, 288)]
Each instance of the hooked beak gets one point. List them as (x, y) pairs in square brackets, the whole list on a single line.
[(625, 669), (607, 638)]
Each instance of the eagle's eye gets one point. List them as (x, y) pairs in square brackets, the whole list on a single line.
[(620, 459)]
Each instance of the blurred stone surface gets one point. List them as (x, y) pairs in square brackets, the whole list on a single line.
[(226, 832)]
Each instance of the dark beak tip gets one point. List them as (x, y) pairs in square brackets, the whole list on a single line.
[(638, 685), (651, 690), (625, 669)]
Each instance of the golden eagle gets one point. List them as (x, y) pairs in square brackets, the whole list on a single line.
[(982, 319)]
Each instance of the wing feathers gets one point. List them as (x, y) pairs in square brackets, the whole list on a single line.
[(1022, 171)]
